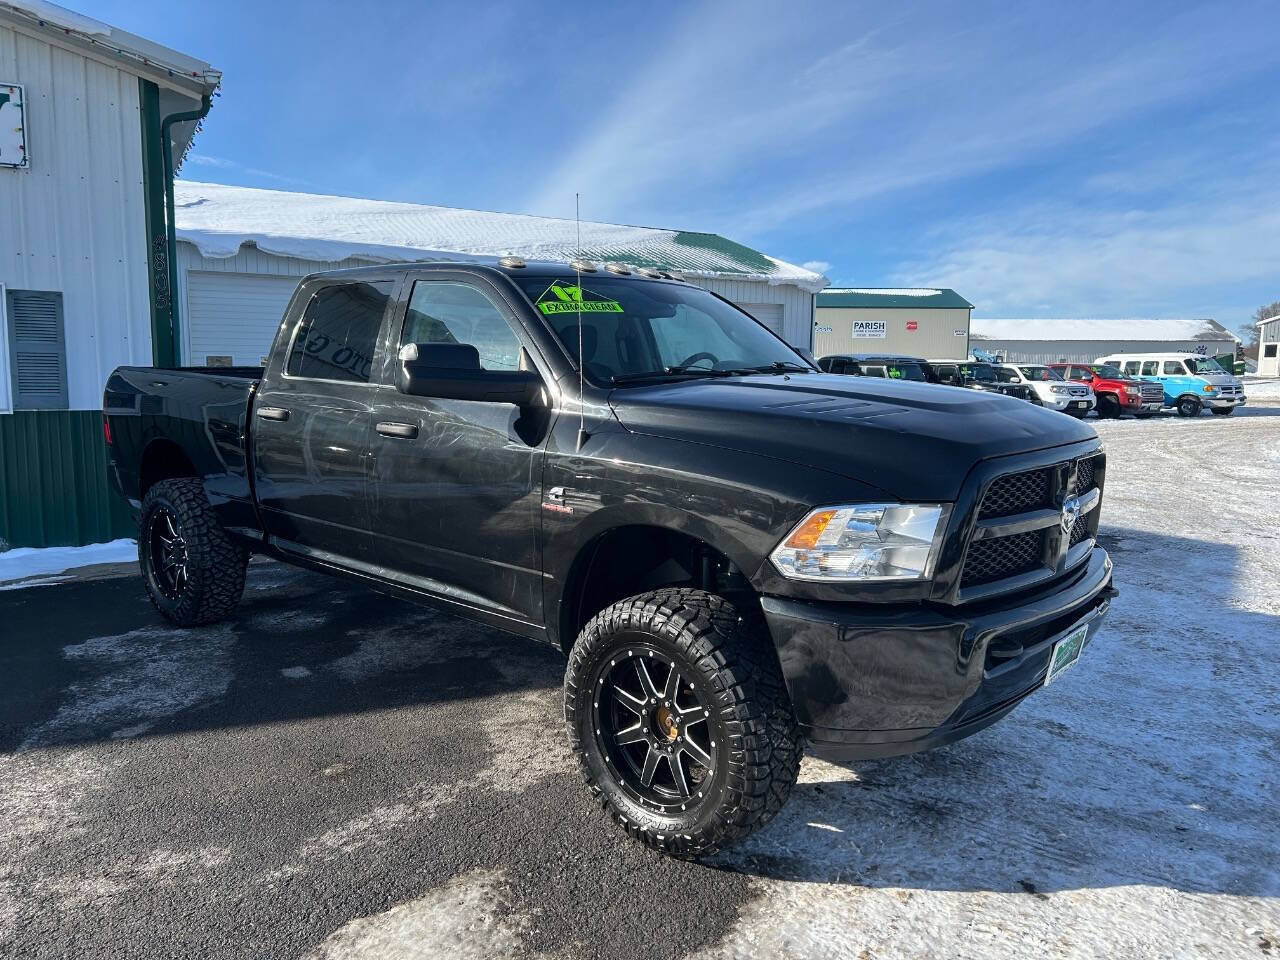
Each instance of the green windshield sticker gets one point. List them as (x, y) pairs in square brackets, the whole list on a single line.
[(570, 298)]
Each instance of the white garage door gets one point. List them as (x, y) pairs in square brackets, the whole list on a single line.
[(234, 315), (770, 314)]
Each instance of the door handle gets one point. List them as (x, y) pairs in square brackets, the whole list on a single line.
[(404, 431), (273, 413)]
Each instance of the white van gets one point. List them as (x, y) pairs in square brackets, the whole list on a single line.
[(1191, 382), (1048, 389)]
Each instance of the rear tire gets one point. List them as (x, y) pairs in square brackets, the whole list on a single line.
[(1224, 412), (729, 708), (1189, 407), (193, 572)]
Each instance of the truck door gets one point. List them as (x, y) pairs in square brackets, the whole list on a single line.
[(454, 489), (311, 423)]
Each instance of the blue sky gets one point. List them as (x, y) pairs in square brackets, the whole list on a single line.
[(1043, 159)]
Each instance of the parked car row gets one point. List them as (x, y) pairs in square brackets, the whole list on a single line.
[(1140, 384)]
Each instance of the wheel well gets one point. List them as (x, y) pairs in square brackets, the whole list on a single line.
[(162, 460), (629, 560)]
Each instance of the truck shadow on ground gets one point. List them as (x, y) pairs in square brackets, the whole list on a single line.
[(93, 661), (1146, 764)]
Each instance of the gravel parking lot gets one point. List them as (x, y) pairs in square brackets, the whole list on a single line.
[(339, 774)]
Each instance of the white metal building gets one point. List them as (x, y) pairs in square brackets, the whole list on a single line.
[(1269, 347), (1084, 340), (93, 120), (241, 252)]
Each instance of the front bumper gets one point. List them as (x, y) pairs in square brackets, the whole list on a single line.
[(1226, 403), (872, 681)]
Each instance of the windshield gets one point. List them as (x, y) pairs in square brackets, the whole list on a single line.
[(1107, 371), (1041, 374), (905, 370), (1204, 365), (636, 330), (1006, 376)]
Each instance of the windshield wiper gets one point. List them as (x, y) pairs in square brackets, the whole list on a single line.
[(671, 373), (781, 366)]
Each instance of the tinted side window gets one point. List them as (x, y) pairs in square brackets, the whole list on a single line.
[(1150, 368), (449, 312), (1132, 368), (1081, 373), (1174, 368), (338, 332)]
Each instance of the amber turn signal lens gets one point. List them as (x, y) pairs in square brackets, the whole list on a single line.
[(807, 534)]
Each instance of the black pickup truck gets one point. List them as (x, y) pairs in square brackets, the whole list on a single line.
[(737, 553)]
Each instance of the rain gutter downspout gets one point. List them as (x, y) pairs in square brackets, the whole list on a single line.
[(166, 146)]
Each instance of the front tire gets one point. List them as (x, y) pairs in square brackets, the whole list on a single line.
[(680, 719), (1108, 407), (193, 572), (1189, 407)]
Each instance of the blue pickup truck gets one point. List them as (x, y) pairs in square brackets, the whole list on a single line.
[(1191, 382)]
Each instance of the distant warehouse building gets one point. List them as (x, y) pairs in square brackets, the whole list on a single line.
[(241, 252), (1268, 347), (924, 322), (1085, 340)]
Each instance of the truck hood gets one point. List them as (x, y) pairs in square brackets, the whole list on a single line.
[(915, 441)]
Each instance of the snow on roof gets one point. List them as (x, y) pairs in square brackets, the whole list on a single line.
[(116, 43), (1089, 328), (219, 219), (889, 291)]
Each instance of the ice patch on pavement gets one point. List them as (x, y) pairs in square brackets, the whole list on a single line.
[(470, 917), (138, 678), (24, 562)]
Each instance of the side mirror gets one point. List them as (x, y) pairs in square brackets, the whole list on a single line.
[(452, 371)]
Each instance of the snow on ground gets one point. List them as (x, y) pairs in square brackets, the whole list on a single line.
[(25, 563), (1128, 810), (1265, 390)]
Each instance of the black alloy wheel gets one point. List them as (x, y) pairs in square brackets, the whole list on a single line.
[(168, 553), (655, 731)]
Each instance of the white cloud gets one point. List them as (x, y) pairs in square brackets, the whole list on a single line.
[(222, 163), (1170, 258), (817, 266)]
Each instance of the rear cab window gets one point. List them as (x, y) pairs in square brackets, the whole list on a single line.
[(338, 333)]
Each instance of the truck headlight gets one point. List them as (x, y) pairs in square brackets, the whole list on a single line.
[(863, 541), (1134, 391), (1059, 388)]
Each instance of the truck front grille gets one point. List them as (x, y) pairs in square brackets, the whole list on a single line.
[(997, 559), (1016, 493), (1152, 392), (1025, 498)]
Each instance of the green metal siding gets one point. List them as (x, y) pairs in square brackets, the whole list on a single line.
[(53, 481), (945, 298)]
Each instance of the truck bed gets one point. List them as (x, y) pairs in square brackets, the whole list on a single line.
[(194, 418)]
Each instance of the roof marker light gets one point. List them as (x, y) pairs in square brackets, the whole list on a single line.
[(586, 266), (619, 268), (511, 263)]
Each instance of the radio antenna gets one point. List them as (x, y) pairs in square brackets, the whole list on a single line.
[(582, 362)]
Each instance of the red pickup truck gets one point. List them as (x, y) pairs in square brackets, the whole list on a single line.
[(1116, 393)]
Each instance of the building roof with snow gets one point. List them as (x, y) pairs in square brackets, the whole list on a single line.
[(1088, 328), (218, 220), (895, 297)]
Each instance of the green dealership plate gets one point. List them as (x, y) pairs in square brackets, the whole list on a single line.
[(1066, 651)]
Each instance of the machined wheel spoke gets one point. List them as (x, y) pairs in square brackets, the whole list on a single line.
[(180, 578), (630, 735), (646, 681), (629, 700), (672, 688), (677, 774), (650, 767), (168, 522), (693, 749)]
